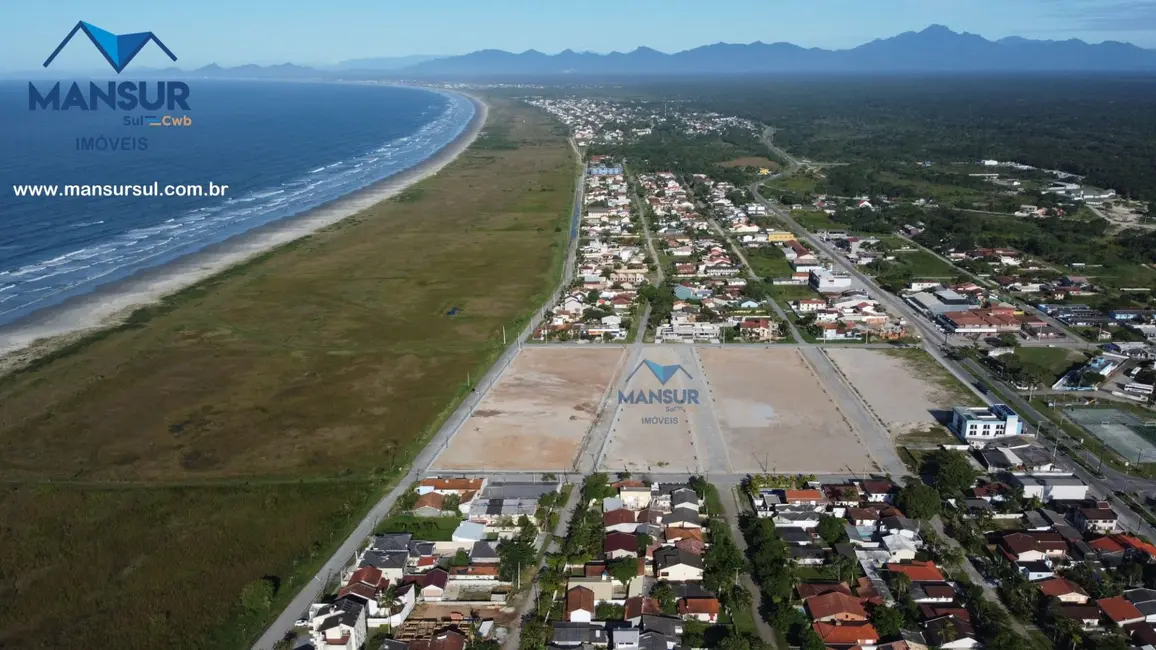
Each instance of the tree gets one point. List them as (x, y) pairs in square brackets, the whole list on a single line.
[(526, 529), (919, 501), (740, 598), (257, 595), (1009, 339), (901, 583), (831, 529), (513, 556), (644, 542), (461, 558), (609, 612), (952, 472), (624, 570), (665, 595), (887, 621), (843, 565), (451, 503), (812, 641)]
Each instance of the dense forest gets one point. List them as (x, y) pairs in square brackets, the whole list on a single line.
[(1101, 127)]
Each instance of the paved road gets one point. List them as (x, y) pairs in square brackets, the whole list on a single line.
[(514, 639), (640, 207), (976, 577), (732, 508), (751, 275), (345, 554)]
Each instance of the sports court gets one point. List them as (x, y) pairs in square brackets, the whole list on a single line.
[(1129, 435)]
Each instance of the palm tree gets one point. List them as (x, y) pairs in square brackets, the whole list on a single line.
[(843, 563), (902, 583), (740, 597)]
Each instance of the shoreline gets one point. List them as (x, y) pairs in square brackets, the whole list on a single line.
[(39, 333)]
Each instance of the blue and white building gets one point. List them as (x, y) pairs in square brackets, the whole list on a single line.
[(978, 426)]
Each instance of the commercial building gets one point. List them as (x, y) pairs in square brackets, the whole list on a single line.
[(978, 425), (825, 281)]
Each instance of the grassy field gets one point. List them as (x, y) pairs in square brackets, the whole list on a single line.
[(326, 362), (432, 529), (768, 262), (815, 220), (925, 265), (1056, 361)]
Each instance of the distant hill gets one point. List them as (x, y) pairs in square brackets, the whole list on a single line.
[(383, 63), (935, 49)]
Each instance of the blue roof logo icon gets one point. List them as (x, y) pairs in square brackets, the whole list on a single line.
[(662, 373), (118, 49)]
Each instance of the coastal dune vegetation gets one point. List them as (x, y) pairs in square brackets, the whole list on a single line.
[(180, 477)]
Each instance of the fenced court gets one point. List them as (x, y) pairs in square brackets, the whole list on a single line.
[(1132, 437)]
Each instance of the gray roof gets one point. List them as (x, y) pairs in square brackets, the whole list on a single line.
[(346, 611), (665, 557), (385, 560), (690, 590), (681, 515), (1035, 520), (393, 644), (391, 542), (421, 549), (1052, 516), (899, 523), (683, 496), (518, 490), (1034, 456), (995, 458), (806, 552), (625, 635), (655, 641), (484, 551), (1140, 595), (796, 536), (1147, 608), (571, 634), (669, 625)]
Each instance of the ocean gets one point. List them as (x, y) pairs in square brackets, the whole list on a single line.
[(282, 148)]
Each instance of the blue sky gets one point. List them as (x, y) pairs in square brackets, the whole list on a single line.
[(232, 32)]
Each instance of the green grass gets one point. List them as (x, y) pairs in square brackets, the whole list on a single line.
[(430, 529), (1056, 361), (923, 264), (315, 372), (785, 293), (768, 262), (796, 183), (815, 220), (744, 621)]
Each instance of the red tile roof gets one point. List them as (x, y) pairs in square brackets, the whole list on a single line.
[(1106, 545), (834, 603), (1061, 587), (579, 599), (917, 571), (1119, 610), (430, 500), (639, 605), (452, 483), (846, 634), (620, 516), (620, 542), (698, 606), (811, 589), (792, 496)]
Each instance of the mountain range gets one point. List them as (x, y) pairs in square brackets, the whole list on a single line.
[(935, 49)]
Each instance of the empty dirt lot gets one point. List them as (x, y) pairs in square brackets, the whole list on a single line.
[(653, 437), (535, 416), (897, 389), (772, 409)]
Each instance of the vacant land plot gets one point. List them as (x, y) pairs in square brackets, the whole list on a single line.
[(332, 358), (537, 413), (922, 264), (772, 409), (1055, 361), (768, 262), (896, 389), (649, 437)]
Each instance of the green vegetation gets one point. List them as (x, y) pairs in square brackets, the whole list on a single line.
[(434, 529), (768, 262), (237, 430)]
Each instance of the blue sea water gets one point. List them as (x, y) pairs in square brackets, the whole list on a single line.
[(283, 148)]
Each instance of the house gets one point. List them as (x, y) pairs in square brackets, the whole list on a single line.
[(620, 545), (469, 531), (879, 490), (579, 605), (700, 609), (638, 606), (917, 571), (1087, 616), (846, 636), (807, 555), (932, 592), (811, 589), (836, 607), (433, 584), (635, 497), (429, 504), (447, 639), (978, 426), (341, 625), (682, 518), (1065, 591), (1120, 611), (566, 634), (803, 497), (950, 633), (458, 486), (1100, 519), (484, 553), (620, 521), (677, 565)]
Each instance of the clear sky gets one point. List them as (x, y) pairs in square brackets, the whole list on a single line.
[(232, 32)]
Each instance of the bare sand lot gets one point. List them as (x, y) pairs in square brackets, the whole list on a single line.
[(655, 437), (535, 416), (773, 409), (897, 389)]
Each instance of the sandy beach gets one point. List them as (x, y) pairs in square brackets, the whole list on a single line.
[(108, 305)]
